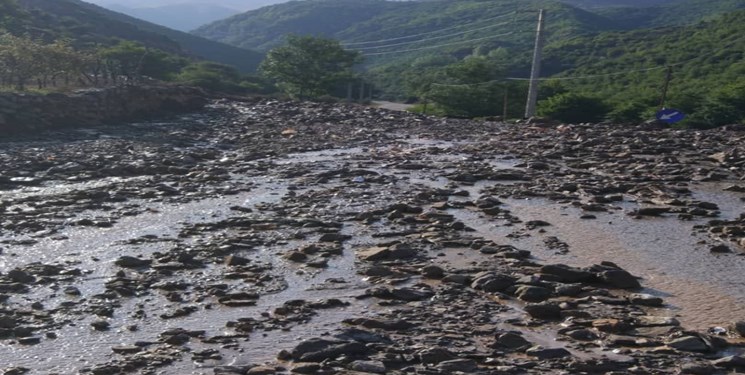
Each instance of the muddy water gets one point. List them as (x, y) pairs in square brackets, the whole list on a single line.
[(704, 289)]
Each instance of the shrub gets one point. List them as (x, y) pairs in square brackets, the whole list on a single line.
[(573, 108)]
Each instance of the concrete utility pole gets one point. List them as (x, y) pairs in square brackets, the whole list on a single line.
[(504, 104), (535, 72)]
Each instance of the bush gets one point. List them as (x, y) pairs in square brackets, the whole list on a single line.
[(573, 108), (628, 113)]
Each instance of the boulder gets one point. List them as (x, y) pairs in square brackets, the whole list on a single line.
[(531, 293), (688, 344), (619, 279), (545, 310), (547, 353)]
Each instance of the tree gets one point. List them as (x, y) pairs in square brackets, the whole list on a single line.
[(573, 108), (211, 76), (308, 67)]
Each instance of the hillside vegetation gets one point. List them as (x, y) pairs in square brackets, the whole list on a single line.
[(87, 24)]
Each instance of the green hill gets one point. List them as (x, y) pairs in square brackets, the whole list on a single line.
[(87, 24), (704, 58), (681, 12), (364, 20)]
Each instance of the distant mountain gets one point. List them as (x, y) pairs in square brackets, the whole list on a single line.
[(241, 5), (364, 20), (599, 4), (86, 23), (679, 12), (182, 17)]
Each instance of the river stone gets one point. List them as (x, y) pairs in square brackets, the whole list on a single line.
[(306, 368), (435, 355), (566, 274), (317, 350), (458, 365), (619, 279), (689, 344), (547, 353), (545, 310), (433, 272), (656, 321), (739, 328), (496, 282), (374, 253), (375, 367), (132, 262), (19, 276), (512, 341), (645, 300), (531, 293), (733, 361), (697, 368), (262, 370)]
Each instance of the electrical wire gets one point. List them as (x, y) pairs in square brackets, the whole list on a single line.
[(437, 46), (428, 32), (436, 37)]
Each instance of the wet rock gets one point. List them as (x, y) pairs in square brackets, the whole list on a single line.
[(530, 293), (334, 237), (387, 325), (688, 344), (645, 300), (544, 310), (20, 276), (234, 260), (720, 249), (317, 350), (29, 340), (374, 367), (512, 341), (262, 370), (698, 369), (132, 262), (126, 349), (458, 365), (404, 294), (566, 274), (100, 325), (656, 321), (492, 282), (730, 362), (611, 325), (619, 279), (306, 368), (547, 353), (740, 328), (435, 355), (433, 272)]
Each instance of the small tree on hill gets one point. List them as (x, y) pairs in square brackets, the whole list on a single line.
[(573, 108), (308, 67)]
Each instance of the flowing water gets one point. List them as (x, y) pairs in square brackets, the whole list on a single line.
[(705, 290)]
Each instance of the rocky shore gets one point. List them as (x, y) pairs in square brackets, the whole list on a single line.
[(273, 237)]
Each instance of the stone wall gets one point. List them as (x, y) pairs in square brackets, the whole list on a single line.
[(21, 113)]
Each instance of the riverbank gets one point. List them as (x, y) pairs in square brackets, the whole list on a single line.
[(273, 237), (31, 112)]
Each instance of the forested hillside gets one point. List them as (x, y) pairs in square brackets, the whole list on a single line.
[(364, 20), (680, 12), (88, 24)]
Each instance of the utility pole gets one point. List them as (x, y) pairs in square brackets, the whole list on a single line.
[(668, 77), (349, 92), (504, 104), (362, 91), (535, 72)]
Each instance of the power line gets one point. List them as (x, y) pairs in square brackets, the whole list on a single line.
[(437, 37), (428, 32), (438, 46)]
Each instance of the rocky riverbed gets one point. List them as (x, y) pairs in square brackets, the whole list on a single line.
[(268, 237)]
